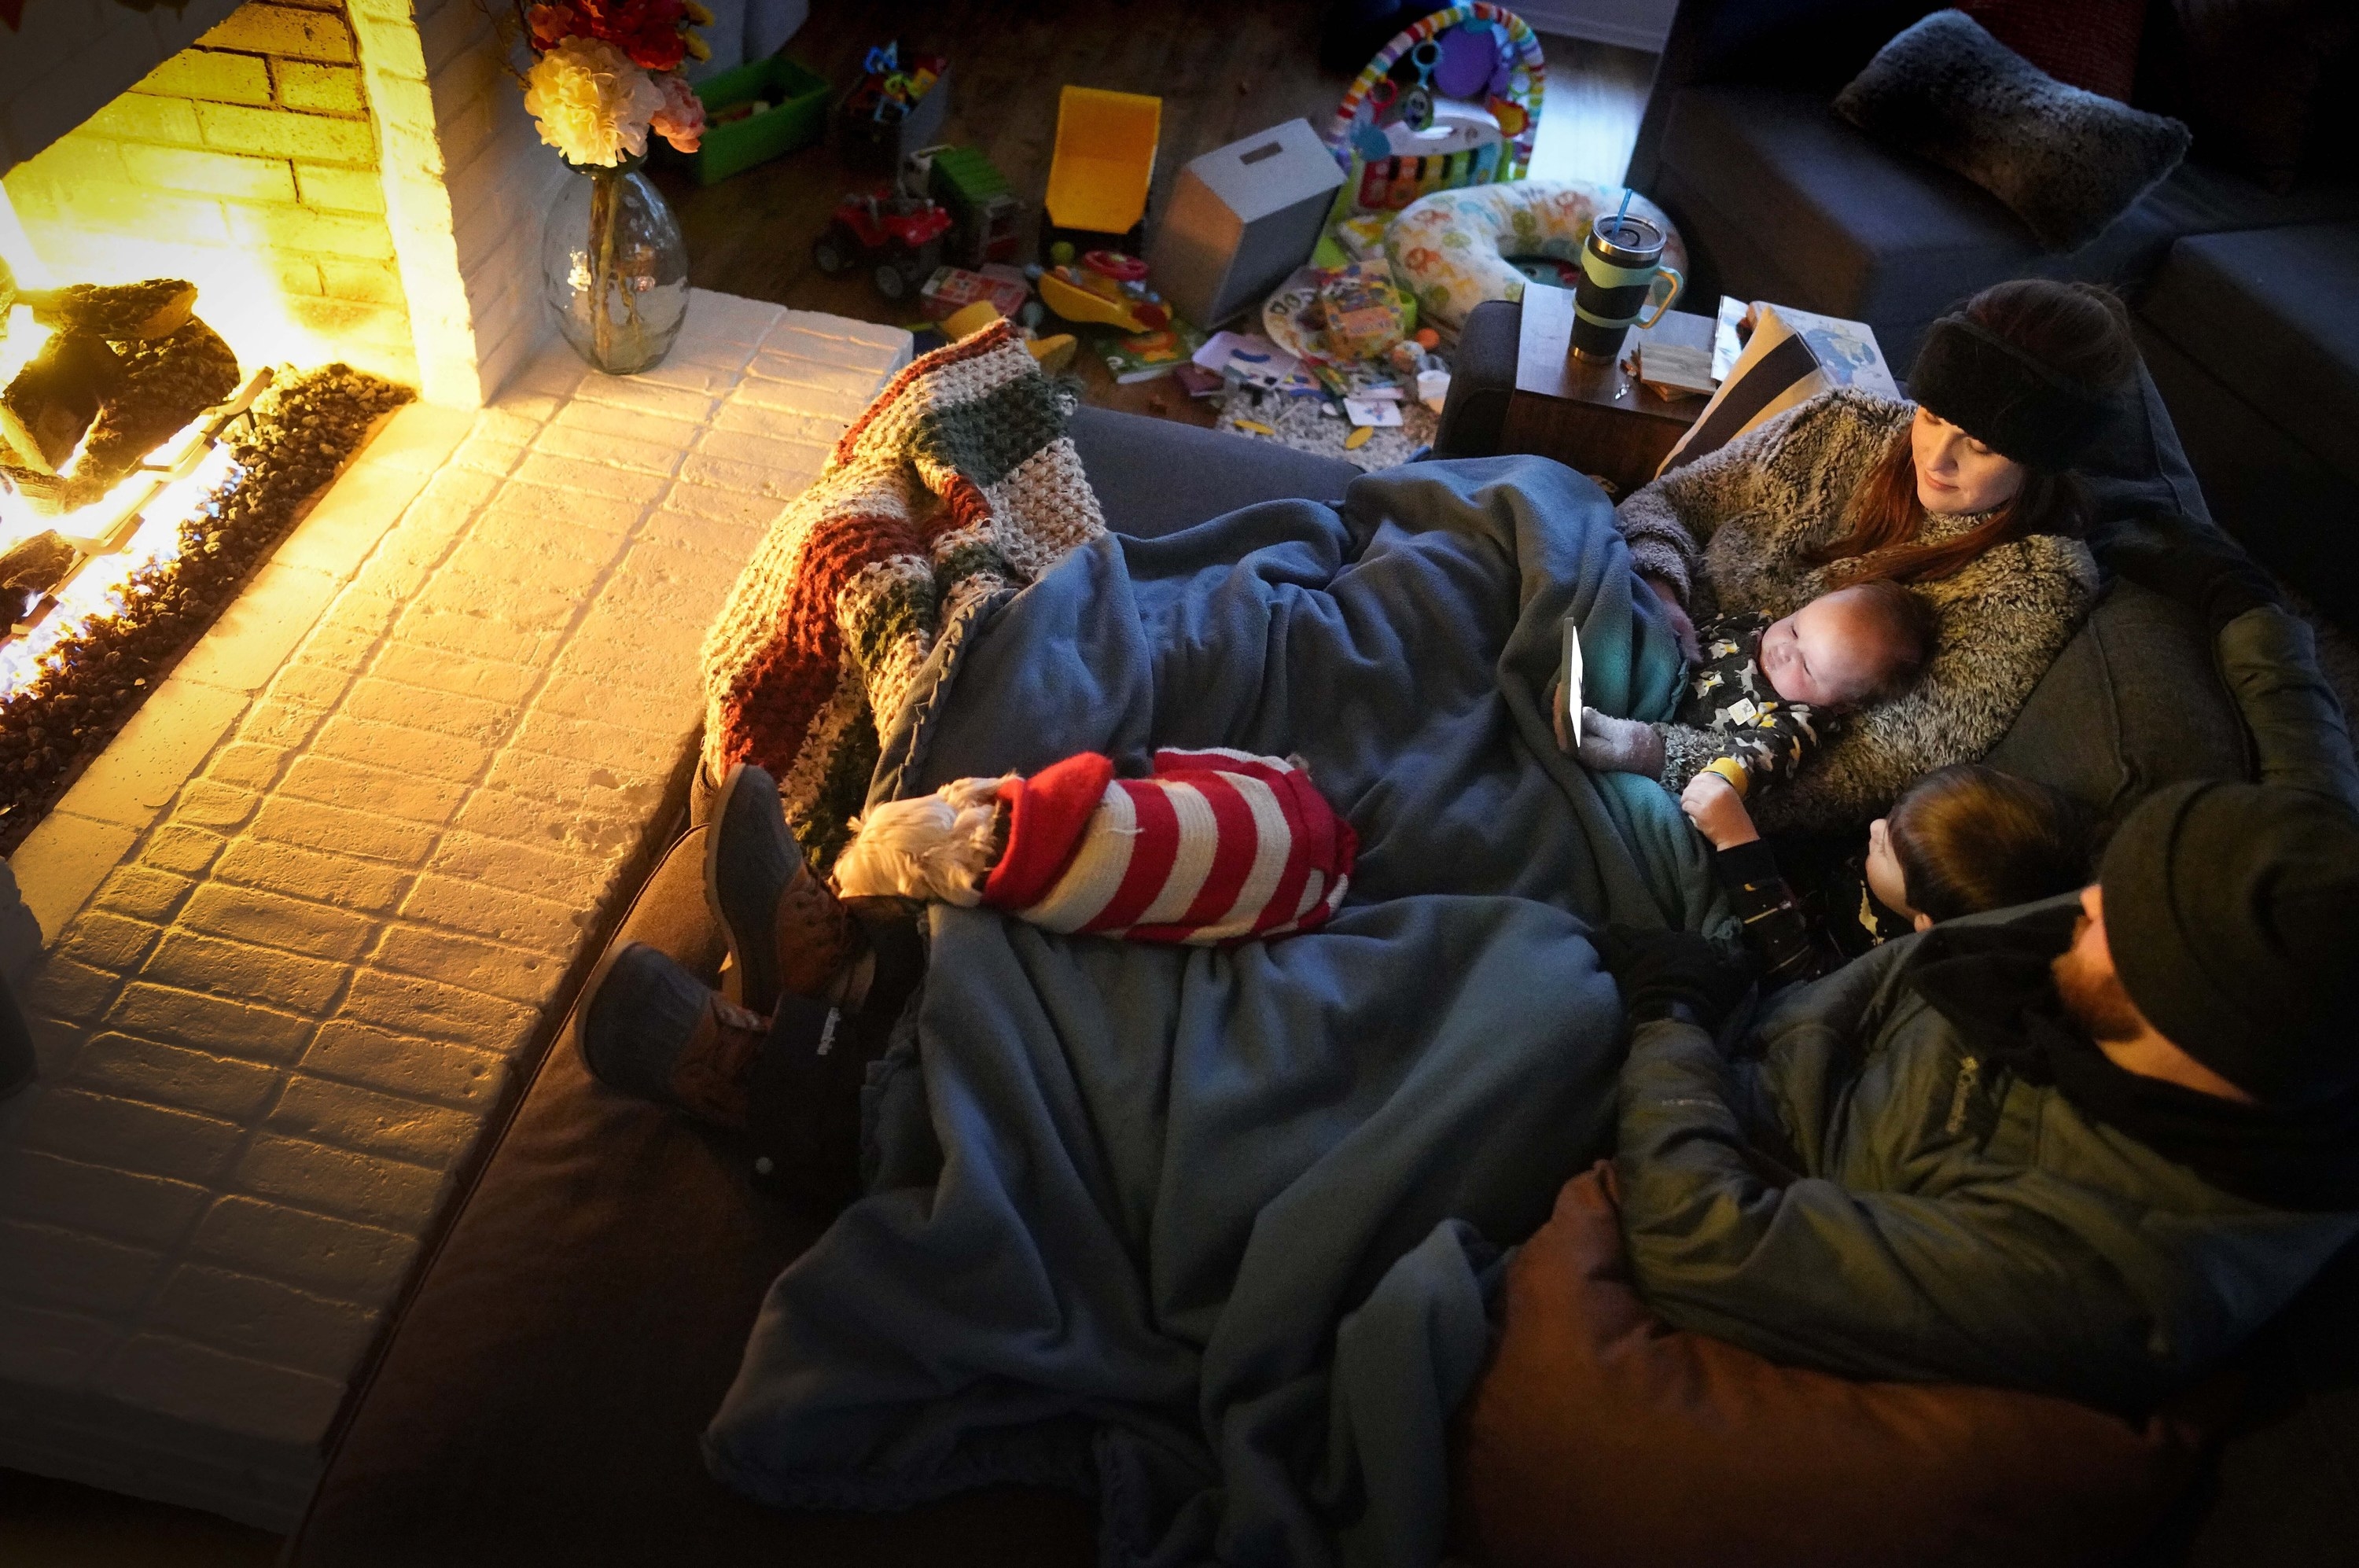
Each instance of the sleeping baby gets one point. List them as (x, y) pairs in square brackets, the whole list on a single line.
[(1763, 700)]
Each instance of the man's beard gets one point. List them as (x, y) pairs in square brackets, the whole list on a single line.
[(2093, 999)]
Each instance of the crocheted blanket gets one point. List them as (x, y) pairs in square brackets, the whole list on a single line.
[(957, 483)]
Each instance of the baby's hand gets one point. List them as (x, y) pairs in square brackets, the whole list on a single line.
[(1609, 745), (1718, 811)]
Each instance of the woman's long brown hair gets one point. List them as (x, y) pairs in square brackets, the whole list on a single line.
[(2078, 330)]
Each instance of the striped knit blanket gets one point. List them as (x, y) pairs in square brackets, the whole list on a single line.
[(957, 483)]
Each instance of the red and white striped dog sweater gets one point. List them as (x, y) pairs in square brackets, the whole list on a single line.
[(1214, 846)]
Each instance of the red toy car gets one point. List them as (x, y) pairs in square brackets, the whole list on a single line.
[(901, 237)]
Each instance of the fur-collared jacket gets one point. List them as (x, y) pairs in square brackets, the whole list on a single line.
[(1729, 531)]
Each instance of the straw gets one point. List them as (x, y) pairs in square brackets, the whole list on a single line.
[(1622, 229)]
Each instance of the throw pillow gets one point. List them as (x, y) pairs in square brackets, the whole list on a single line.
[(2091, 44), (2066, 161), (1599, 1437), (2253, 72)]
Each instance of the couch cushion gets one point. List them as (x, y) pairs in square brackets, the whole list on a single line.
[(2274, 315), (1156, 476), (1779, 199), (2066, 162), (1600, 1437), (2133, 702)]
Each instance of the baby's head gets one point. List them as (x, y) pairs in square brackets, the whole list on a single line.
[(1852, 645), (1966, 839)]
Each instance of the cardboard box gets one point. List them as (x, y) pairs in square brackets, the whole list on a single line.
[(1240, 218)]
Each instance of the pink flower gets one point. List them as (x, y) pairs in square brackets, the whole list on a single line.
[(680, 120)]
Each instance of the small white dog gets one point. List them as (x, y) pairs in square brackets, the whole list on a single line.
[(938, 846)]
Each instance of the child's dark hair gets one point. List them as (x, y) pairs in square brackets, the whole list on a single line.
[(1970, 839), (1911, 628)]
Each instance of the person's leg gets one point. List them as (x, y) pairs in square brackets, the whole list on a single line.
[(791, 1082)]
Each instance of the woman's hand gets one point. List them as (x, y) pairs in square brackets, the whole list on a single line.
[(1609, 745), (1718, 811), (1682, 627)]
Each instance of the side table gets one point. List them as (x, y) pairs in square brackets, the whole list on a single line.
[(1594, 417)]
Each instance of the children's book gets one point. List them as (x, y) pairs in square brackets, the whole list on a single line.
[(1150, 354)]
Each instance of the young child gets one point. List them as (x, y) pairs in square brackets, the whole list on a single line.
[(1763, 700), (1961, 840)]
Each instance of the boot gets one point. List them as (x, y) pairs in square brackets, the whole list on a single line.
[(788, 932)]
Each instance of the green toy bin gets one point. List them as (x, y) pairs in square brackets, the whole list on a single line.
[(795, 118)]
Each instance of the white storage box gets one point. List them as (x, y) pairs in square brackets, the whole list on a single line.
[(1240, 218)]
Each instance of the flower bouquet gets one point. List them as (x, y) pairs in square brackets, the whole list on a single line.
[(605, 73)]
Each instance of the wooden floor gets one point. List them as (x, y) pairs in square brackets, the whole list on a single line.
[(1224, 68)]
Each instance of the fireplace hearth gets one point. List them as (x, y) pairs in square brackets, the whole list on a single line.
[(305, 919)]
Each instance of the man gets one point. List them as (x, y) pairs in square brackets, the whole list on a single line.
[(2082, 1149)]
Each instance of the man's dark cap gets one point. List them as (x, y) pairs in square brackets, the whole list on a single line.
[(2231, 911)]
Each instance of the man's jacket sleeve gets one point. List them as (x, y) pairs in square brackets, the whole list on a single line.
[(1985, 1284)]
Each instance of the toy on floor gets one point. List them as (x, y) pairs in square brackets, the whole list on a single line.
[(987, 218), (953, 288), (1099, 176), (1452, 101), (895, 107), (1104, 288), (1451, 250), (899, 237), (1055, 353)]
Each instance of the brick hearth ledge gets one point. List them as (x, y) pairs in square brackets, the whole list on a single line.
[(309, 912)]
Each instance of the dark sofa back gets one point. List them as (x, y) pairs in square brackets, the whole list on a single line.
[(1802, 44)]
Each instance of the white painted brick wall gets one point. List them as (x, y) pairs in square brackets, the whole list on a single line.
[(325, 889)]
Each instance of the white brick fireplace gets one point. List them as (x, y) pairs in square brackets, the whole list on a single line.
[(341, 178), (307, 915)]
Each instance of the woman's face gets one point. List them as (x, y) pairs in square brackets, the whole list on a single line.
[(1884, 879), (1956, 473)]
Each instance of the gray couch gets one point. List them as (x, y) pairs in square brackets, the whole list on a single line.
[(540, 1393), (2248, 301)]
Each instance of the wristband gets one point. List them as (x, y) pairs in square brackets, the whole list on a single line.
[(1728, 768)]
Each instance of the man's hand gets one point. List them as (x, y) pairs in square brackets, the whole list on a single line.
[(1718, 811), (1665, 974), (1609, 745), (1682, 627)]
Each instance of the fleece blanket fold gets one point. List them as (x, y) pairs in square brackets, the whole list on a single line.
[(1205, 1231), (958, 483)]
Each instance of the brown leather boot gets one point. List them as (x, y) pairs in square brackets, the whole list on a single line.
[(786, 930)]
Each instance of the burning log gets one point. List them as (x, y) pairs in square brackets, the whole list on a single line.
[(126, 366)]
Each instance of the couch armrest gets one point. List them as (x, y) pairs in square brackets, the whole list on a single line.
[(1481, 381)]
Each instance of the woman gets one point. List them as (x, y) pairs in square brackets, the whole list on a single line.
[(1966, 496)]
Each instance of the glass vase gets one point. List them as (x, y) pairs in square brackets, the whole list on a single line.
[(615, 268)]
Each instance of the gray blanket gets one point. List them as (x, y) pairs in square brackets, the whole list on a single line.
[(1205, 1232)]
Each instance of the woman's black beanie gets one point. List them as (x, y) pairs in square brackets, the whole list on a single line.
[(2231, 911), (2006, 400)]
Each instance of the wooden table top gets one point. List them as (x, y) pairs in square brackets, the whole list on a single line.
[(1545, 366)]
